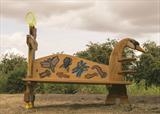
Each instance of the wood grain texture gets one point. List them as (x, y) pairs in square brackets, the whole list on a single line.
[(32, 47)]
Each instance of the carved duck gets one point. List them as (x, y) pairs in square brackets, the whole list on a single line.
[(116, 59)]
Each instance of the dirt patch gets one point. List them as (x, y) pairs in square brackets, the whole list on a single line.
[(78, 104)]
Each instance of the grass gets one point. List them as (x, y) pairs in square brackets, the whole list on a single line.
[(140, 90), (133, 89)]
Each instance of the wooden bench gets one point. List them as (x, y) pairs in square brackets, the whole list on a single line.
[(62, 68)]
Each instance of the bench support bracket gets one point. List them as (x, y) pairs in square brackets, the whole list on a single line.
[(117, 94)]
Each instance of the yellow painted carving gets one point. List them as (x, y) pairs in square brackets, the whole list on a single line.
[(27, 106), (30, 19)]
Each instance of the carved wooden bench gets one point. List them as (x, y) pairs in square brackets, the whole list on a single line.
[(61, 68)]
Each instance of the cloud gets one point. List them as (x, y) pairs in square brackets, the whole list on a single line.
[(18, 8), (14, 51), (69, 25), (13, 43), (124, 16), (116, 16), (13, 39)]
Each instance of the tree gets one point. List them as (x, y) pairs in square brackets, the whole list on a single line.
[(148, 67), (98, 52), (12, 69), (11, 61)]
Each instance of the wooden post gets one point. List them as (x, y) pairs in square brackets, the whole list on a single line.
[(29, 96), (32, 47)]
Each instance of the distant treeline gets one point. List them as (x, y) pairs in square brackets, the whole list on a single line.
[(14, 67)]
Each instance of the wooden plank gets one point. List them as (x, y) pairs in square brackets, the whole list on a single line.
[(104, 82), (62, 66), (127, 71), (126, 59)]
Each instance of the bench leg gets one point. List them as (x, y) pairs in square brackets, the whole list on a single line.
[(29, 96), (117, 94)]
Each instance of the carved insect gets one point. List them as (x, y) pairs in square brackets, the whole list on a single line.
[(66, 63), (80, 68), (50, 63)]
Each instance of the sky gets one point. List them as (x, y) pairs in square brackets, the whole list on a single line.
[(69, 25)]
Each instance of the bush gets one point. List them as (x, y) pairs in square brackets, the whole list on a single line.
[(3, 83), (14, 83), (12, 70), (140, 89)]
